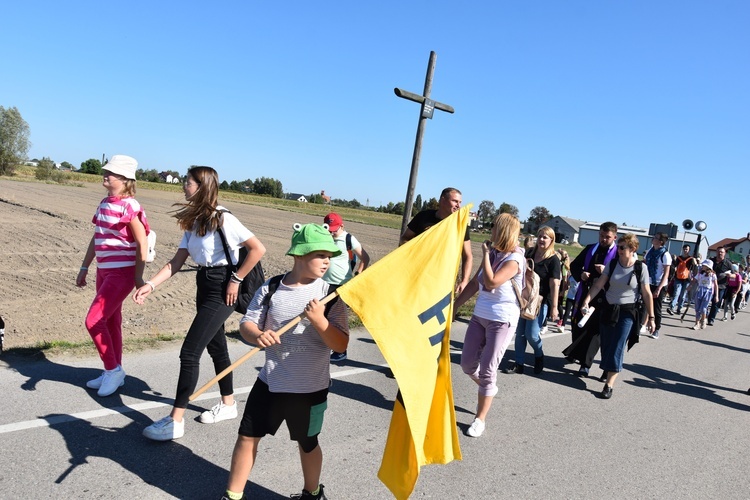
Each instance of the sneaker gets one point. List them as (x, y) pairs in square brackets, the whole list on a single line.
[(695, 327), (513, 368), (655, 335), (96, 383), (225, 497), (476, 429), (111, 381), (703, 324), (165, 429), (583, 372), (724, 318), (338, 356), (218, 413), (670, 311), (710, 322), (643, 330), (306, 495), (733, 316), (543, 331)]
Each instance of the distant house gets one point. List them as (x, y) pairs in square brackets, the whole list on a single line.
[(326, 198), (565, 228), (168, 178), (296, 197), (740, 246)]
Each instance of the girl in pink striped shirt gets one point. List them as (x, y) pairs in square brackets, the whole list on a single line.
[(120, 247)]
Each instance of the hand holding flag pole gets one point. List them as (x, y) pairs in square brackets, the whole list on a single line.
[(255, 350)]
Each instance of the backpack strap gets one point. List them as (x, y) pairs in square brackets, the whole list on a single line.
[(273, 285), (352, 258)]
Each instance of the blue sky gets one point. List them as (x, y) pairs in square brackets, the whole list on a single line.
[(633, 111)]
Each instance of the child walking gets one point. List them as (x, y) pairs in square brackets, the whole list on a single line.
[(293, 383), (120, 246), (217, 290), (707, 290)]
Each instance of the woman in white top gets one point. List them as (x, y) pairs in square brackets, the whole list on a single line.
[(495, 314), (218, 288)]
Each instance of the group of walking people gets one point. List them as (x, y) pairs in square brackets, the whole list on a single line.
[(291, 387)]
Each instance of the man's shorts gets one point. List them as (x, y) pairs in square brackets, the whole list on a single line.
[(266, 410)]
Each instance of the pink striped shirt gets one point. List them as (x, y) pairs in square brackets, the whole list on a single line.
[(113, 241)]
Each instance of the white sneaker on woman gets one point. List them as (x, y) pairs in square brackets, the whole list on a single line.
[(476, 429), (111, 381), (218, 413), (165, 429)]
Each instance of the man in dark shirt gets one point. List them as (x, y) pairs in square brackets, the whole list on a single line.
[(722, 268), (450, 201), (586, 269)]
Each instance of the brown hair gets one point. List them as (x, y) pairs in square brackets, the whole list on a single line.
[(199, 213), (507, 228)]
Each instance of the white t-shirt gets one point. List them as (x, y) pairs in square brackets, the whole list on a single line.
[(664, 261), (501, 304), (208, 251)]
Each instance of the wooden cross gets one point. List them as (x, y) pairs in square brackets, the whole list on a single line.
[(428, 106)]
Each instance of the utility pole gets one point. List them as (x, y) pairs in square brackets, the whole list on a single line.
[(427, 109)]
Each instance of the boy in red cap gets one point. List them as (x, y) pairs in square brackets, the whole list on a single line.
[(352, 260)]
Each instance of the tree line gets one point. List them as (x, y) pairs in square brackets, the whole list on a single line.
[(487, 212)]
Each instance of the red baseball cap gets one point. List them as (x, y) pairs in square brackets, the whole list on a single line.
[(334, 221)]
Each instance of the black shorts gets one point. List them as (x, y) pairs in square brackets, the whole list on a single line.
[(265, 410)]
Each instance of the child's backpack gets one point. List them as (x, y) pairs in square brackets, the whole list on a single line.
[(151, 255), (529, 298), (683, 272), (352, 256), (273, 285)]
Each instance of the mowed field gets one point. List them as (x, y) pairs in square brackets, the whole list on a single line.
[(45, 229)]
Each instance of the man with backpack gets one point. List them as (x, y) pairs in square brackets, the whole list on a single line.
[(352, 260), (658, 260), (683, 272)]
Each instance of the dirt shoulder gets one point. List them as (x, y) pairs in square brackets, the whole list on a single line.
[(46, 229)]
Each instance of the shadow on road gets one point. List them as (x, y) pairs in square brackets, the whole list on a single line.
[(169, 466), (667, 380)]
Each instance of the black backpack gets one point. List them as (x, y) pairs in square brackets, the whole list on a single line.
[(254, 279)]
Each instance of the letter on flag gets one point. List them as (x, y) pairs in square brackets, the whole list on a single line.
[(405, 301)]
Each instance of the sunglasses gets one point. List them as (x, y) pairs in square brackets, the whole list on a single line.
[(623, 247)]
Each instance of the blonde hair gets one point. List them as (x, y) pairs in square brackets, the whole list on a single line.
[(199, 212), (128, 190), (630, 240), (507, 228), (547, 231)]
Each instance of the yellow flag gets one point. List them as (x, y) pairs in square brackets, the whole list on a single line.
[(405, 301)]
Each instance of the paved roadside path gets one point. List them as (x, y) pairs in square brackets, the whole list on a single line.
[(676, 427)]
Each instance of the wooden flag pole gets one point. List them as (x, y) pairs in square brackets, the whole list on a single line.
[(255, 350)]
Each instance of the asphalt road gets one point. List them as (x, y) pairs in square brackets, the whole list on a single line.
[(676, 427)]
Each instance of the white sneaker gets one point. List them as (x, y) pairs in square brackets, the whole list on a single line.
[(111, 381), (165, 429), (476, 429), (96, 383), (643, 331), (543, 331), (218, 413)]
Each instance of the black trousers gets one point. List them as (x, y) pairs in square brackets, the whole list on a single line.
[(206, 332)]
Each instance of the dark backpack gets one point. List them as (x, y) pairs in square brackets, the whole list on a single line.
[(254, 279), (352, 256)]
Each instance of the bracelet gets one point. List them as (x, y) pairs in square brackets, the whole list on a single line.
[(84, 268), (236, 278), (651, 317), (151, 284)]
